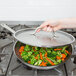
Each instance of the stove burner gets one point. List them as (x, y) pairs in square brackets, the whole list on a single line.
[(4, 34), (2, 57)]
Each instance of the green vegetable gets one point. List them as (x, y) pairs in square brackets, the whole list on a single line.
[(42, 50), (53, 54), (38, 62), (37, 48), (29, 53), (37, 52), (27, 48), (48, 64), (33, 60), (59, 54), (63, 50), (49, 51), (59, 61), (24, 53), (25, 57), (53, 59), (32, 54), (32, 50)]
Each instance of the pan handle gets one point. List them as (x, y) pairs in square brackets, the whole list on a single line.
[(8, 28)]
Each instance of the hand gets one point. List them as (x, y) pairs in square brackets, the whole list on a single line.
[(51, 25)]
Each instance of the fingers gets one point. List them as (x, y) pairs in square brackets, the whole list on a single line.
[(45, 28), (49, 26), (38, 30), (44, 24)]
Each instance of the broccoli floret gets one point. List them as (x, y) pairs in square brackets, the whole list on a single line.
[(37, 48), (33, 60), (27, 48), (24, 53), (29, 53), (59, 61)]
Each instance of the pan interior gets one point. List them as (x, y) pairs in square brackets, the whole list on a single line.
[(44, 39), (19, 44)]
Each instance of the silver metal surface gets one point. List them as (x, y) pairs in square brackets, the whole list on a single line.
[(42, 38), (2, 55), (35, 31)]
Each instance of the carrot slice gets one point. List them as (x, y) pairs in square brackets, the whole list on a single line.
[(50, 61), (57, 49), (20, 50), (58, 57), (36, 57), (67, 52), (22, 47), (43, 64), (41, 56), (28, 61), (34, 48), (45, 54), (63, 55), (62, 59)]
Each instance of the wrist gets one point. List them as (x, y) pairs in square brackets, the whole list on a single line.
[(62, 24)]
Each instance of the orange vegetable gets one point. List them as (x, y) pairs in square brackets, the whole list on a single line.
[(20, 53), (50, 61), (43, 64), (20, 50), (67, 52), (22, 47), (58, 57), (28, 61), (57, 49), (41, 56), (63, 55), (36, 57), (62, 59), (34, 48), (45, 54)]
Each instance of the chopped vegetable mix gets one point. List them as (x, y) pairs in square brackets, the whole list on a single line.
[(43, 56)]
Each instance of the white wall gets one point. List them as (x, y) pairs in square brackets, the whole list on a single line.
[(30, 10)]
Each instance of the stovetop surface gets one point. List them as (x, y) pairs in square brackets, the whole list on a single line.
[(11, 66)]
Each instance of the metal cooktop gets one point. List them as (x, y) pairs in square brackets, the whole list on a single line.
[(11, 66)]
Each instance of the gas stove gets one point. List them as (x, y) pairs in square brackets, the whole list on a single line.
[(11, 66)]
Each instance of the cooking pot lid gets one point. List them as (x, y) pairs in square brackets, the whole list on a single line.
[(44, 39)]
